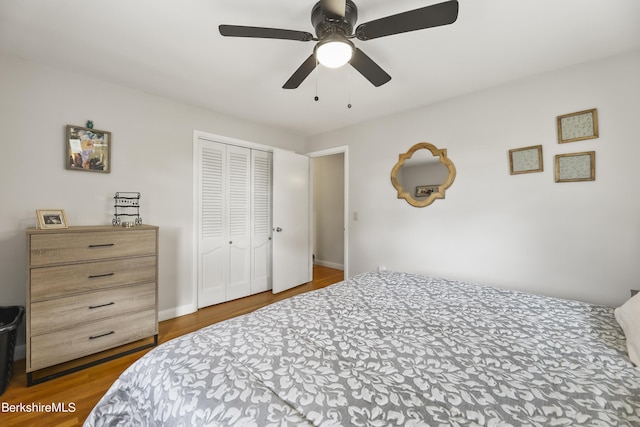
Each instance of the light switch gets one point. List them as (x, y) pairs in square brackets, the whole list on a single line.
[(355, 216)]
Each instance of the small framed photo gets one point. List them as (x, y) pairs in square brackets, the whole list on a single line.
[(578, 126), (88, 149), (51, 218), (525, 160), (426, 190), (576, 167)]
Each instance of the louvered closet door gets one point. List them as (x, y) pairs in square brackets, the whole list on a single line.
[(234, 221), (261, 221), (225, 252), (213, 246), (239, 213)]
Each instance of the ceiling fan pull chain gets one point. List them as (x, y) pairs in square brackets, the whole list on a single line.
[(315, 98), (349, 89)]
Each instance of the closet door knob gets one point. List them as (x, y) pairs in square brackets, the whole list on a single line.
[(278, 229)]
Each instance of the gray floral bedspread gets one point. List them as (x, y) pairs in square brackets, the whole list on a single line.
[(389, 349)]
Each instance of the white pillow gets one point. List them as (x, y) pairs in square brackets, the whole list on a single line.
[(628, 316)]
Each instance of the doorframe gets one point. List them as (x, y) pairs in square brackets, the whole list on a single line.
[(343, 149), (197, 134)]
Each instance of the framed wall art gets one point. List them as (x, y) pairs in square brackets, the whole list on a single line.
[(88, 149), (576, 167), (578, 126), (51, 218), (525, 160)]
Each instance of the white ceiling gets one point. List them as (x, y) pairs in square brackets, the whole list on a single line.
[(173, 48)]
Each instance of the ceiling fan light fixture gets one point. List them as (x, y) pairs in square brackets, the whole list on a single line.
[(334, 52), (334, 21)]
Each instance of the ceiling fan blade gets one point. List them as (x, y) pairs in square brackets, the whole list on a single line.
[(264, 33), (335, 7), (418, 19), (369, 69), (301, 73)]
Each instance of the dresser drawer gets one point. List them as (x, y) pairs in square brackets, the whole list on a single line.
[(58, 248), (66, 313), (59, 281), (51, 349)]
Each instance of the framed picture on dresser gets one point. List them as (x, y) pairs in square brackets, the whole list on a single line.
[(51, 218)]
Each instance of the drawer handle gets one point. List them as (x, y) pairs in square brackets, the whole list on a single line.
[(95, 276), (91, 307), (93, 337), (104, 245)]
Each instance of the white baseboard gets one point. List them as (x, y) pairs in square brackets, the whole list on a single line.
[(176, 312), (329, 264)]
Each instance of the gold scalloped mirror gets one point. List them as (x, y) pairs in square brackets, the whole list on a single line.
[(422, 174)]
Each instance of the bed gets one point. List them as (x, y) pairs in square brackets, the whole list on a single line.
[(389, 349)]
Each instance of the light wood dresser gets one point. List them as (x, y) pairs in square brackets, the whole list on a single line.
[(89, 289)]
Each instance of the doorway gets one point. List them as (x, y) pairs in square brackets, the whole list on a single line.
[(329, 209)]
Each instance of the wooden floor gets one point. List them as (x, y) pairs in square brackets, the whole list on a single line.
[(80, 391)]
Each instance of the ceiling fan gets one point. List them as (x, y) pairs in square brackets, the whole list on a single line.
[(334, 22)]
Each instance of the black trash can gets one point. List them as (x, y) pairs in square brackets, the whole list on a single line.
[(10, 318)]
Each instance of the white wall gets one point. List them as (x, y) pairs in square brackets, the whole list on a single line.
[(577, 240), (152, 154)]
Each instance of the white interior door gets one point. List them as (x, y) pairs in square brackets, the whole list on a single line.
[(261, 221), (239, 229), (291, 236), (224, 232), (212, 223)]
